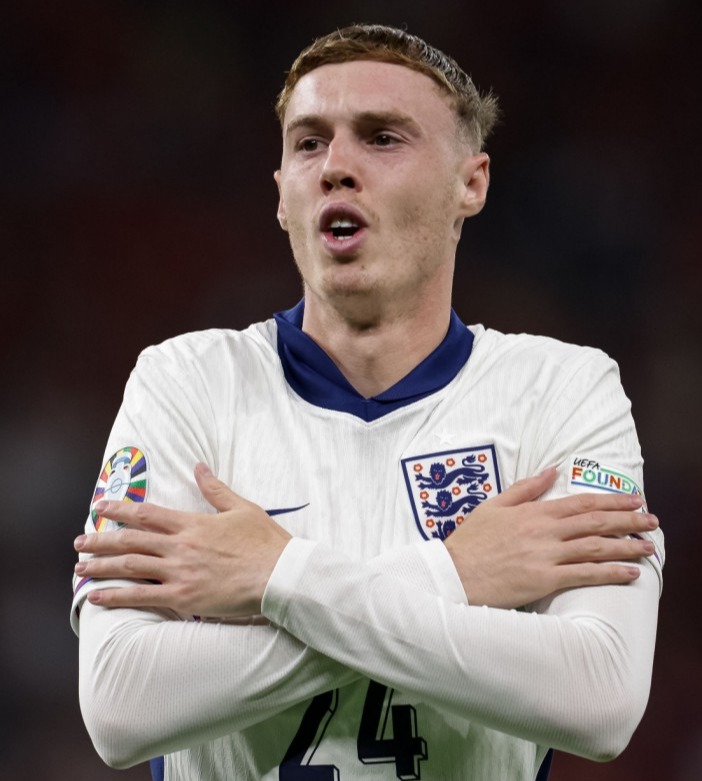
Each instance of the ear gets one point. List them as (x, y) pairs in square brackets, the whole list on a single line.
[(476, 180), (282, 218)]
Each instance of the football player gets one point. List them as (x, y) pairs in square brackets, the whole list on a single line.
[(362, 540)]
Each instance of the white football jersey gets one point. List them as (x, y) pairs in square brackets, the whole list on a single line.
[(373, 665)]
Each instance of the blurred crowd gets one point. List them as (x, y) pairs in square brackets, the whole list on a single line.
[(137, 202)]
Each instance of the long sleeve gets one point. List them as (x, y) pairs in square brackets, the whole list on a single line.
[(150, 685), (575, 677)]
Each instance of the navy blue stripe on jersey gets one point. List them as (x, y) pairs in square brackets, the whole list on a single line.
[(545, 768), (312, 374), (157, 769)]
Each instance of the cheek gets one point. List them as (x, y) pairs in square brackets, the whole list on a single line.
[(299, 241), (426, 212), (297, 224)]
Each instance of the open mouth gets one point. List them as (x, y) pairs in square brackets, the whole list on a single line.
[(343, 229), (341, 221)]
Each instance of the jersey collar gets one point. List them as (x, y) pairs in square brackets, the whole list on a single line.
[(312, 374)]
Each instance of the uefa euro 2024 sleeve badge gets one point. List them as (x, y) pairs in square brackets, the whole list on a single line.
[(123, 478), (444, 488)]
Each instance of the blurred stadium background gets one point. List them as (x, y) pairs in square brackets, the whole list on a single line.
[(138, 142)]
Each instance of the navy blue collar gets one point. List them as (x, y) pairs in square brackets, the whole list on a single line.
[(312, 374)]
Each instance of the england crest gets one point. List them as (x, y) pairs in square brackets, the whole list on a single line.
[(444, 488)]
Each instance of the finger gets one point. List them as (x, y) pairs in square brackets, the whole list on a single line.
[(590, 503), (140, 595), (592, 574), (608, 522), (142, 515), (527, 490), (122, 541), (598, 549), (217, 493), (131, 566)]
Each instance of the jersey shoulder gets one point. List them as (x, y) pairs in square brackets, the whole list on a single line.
[(215, 350), (525, 359), (533, 346), (203, 345)]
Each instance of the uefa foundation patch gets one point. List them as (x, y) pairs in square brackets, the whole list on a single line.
[(588, 474), (445, 487), (123, 479)]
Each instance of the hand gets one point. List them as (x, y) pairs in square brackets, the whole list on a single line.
[(207, 565), (513, 550)]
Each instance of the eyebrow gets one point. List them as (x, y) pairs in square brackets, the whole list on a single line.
[(362, 119)]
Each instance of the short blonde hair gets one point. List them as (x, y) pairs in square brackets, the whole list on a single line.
[(476, 113)]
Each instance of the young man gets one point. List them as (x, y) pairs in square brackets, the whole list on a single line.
[(390, 600)]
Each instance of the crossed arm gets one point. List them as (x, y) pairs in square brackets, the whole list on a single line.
[(219, 566), (515, 551)]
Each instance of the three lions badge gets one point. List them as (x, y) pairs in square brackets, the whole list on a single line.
[(446, 487)]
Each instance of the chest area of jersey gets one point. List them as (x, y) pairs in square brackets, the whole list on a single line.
[(370, 488)]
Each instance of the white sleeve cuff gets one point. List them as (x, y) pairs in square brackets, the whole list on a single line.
[(425, 565), (81, 590), (286, 574), (440, 566)]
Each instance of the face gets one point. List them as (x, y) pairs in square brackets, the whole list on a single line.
[(374, 186)]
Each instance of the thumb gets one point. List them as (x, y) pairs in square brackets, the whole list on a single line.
[(528, 489), (217, 493)]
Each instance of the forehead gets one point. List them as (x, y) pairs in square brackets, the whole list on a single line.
[(342, 89)]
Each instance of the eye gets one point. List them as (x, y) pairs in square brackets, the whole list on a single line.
[(308, 144), (384, 139)]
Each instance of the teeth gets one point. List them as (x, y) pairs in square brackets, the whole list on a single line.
[(343, 224)]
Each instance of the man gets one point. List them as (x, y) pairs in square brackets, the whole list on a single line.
[(403, 607)]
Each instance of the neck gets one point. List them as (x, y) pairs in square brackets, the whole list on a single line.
[(376, 350)]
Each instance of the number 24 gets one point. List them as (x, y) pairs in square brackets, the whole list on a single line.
[(405, 749)]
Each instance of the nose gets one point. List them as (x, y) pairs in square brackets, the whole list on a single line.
[(340, 168)]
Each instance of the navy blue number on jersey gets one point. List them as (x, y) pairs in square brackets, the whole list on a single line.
[(295, 765), (405, 749)]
